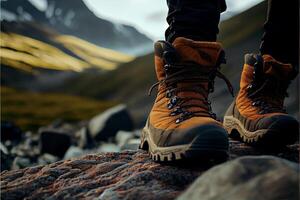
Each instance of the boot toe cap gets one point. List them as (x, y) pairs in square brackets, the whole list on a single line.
[(281, 129), (285, 123), (204, 136)]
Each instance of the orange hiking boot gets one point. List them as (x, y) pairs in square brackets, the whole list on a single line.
[(181, 123), (258, 113)]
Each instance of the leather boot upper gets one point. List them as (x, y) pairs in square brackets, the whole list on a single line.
[(185, 71), (263, 88)]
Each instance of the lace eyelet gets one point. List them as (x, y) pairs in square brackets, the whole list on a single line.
[(213, 115), (174, 100), (185, 115), (170, 106), (177, 111), (169, 94), (167, 67), (178, 120), (262, 112)]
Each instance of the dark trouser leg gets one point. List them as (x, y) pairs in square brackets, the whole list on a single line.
[(194, 19), (281, 38)]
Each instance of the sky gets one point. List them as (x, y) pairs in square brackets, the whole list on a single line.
[(148, 16)]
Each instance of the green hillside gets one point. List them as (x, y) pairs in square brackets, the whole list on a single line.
[(31, 110)]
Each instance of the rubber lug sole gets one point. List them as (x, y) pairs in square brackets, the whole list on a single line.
[(216, 153), (262, 137)]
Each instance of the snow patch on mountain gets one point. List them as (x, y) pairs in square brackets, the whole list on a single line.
[(39, 4), (7, 15)]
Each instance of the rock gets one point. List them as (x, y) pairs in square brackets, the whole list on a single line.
[(9, 131), (47, 159), (133, 175), (84, 139), (17, 151), (132, 144), (3, 149), (126, 175), (108, 123), (6, 161), (137, 133), (8, 144), (108, 147), (20, 163), (73, 152), (54, 142), (122, 137), (6, 158), (247, 178)]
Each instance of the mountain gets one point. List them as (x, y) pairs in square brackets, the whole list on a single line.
[(73, 17), (47, 58), (129, 83)]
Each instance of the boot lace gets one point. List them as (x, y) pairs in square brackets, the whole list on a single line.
[(196, 77), (266, 92)]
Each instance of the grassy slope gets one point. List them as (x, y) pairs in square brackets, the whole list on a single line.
[(27, 54), (241, 27), (31, 110)]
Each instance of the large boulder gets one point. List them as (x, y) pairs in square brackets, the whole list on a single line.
[(248, 178), (55, 142), (108, 123), (133, 175), (9, 131)]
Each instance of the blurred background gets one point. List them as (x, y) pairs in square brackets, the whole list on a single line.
[(65, 62)]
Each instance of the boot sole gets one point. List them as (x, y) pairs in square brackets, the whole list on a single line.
[(196, 149), (259, 137)]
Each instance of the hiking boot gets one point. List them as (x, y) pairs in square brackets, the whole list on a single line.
[(258, 113), (181, 123)]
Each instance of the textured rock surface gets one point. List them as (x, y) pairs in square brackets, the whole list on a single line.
[(108, 123), (126, 175), (247, 178)]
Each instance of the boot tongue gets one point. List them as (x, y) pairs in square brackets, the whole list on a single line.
[(207, 54), (276, 69), (203, 53)]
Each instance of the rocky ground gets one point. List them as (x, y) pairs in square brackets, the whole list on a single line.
[(110, 131), (99, 159)]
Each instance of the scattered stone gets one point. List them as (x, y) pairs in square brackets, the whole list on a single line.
[(54, 142), (16, 150), (132, 144), (8, 144), (20, 163), (108, 123), (108, 147), (9, 131), (6, 159), (73, 152), (47, 159), (84, 139), (247, 178), (122, 137), (137, 133), (3, 149)]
